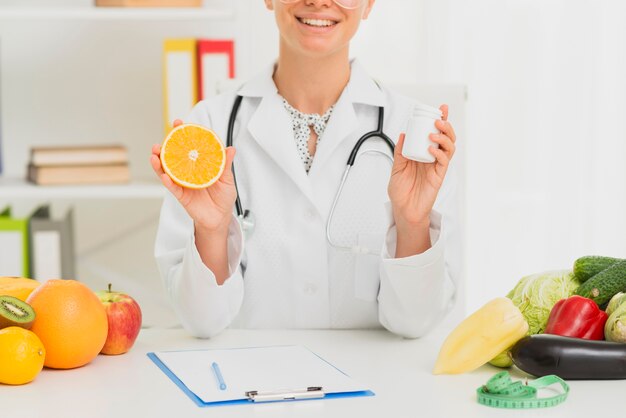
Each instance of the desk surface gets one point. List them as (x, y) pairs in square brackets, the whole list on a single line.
[(397, 370)]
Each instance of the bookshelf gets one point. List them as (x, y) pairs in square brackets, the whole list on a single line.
[(12, 188), (72, 73), (51, 55)]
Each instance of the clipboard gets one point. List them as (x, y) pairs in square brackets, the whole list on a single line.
[(255, 374)]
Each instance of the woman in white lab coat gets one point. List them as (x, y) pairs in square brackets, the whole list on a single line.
[(286, 274)]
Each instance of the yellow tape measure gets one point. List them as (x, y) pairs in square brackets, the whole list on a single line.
[(501, 392)]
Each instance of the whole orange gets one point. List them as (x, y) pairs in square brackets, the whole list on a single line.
[(71, 322)]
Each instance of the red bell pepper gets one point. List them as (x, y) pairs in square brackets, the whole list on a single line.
[(577, 317)]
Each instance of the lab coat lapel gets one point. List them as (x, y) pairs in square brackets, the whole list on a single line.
[(271, 128)]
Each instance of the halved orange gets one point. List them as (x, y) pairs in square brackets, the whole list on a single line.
[(193, 156)]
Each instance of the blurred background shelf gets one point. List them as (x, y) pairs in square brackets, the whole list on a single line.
[(76, 74), (13, 188), (114, 13)]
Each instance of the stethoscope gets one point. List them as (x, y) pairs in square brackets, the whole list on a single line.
[(246, 218)]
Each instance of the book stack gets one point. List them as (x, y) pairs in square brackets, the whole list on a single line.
[(100, 164)]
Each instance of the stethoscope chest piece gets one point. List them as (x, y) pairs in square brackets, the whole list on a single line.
[(247, 222)]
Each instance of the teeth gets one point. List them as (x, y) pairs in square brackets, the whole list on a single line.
[(317, 22)]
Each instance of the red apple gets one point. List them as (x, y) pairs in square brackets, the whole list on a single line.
[(124, 317)]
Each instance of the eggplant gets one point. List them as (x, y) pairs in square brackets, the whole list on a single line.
[(570, 358)]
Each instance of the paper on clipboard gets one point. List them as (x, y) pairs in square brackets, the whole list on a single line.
[(263, 369)]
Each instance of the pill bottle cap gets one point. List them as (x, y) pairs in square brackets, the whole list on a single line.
[(423, 110)]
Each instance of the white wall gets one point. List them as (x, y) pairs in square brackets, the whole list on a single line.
[(545, 145)]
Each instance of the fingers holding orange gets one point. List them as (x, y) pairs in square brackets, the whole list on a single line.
[(155, 160)]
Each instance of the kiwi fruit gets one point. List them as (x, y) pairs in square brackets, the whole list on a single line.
[(15, 312)]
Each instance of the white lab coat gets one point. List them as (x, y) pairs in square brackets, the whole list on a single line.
[(292, 277)]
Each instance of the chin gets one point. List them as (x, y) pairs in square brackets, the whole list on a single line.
[(318, 51), (319, 47)]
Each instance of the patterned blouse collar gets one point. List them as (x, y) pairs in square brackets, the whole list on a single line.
[(301, 123)]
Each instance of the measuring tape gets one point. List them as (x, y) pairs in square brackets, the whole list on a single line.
[(501, 392)]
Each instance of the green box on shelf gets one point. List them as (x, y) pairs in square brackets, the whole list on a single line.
[(14, 257)]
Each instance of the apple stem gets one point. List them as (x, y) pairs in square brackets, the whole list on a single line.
[(109, 287)]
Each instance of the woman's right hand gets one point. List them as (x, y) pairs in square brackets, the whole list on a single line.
[(211, 208)]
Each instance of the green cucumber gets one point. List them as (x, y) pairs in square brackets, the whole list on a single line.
[(605, 284), (588, 266)]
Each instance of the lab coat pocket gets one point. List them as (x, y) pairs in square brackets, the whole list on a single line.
[(366, 267)]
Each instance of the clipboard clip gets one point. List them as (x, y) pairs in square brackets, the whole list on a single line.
[(312, 392)]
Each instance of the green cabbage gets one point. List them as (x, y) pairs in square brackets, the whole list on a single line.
[(617, 300), (615, 328), (535, 295)]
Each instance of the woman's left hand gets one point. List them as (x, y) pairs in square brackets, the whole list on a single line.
[(413, 186)]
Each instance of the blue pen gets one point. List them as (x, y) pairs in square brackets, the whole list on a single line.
[(218, 376)]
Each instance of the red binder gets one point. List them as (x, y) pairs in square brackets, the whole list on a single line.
[(216, 61)]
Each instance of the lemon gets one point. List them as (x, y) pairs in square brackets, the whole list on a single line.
[(21, 356)]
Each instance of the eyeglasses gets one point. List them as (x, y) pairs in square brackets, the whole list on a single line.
[(346, 4)]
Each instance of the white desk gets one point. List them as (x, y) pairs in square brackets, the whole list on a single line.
[(397, 370)]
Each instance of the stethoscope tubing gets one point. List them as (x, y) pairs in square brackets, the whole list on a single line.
[(243, 215), (372, 134), (229, 142)]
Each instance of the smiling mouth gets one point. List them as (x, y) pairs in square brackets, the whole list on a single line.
[(317, 23)]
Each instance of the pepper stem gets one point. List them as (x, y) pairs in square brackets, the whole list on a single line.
[(109, 287)]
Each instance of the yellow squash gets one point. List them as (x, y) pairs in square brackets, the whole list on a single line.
[(480, 337)]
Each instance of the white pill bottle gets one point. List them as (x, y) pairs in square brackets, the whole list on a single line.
[(416, 142)]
